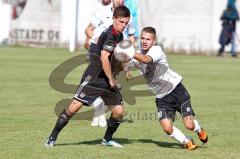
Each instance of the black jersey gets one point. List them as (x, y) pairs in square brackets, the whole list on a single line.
[(94, 82), (107, 41)]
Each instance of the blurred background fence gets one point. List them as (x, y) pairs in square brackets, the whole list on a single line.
[(182, 26)]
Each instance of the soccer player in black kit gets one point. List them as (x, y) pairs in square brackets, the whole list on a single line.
[(98, 81)]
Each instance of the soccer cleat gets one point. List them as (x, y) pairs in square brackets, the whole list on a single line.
[(50, 142), (203, 136), (190, 145), (111, 143)]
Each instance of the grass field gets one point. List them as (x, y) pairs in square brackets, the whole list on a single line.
[(27, 110)]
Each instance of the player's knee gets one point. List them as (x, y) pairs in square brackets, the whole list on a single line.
[(168, 129), (74, 106), (189, 122), (189, 126), (121, 115), (118, 115)]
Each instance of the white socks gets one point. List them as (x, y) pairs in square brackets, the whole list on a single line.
[(179, 136), (197, 128), (99, 113), (99, 107)]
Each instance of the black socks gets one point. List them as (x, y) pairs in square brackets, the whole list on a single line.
[(63, 119), (60, 124), (112, 127)]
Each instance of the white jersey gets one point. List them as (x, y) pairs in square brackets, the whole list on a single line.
[(102, 19), (102, 15), (161, 80)]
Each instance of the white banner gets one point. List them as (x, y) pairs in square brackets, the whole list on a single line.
[(5, 19), (184, 26), (36, 21)]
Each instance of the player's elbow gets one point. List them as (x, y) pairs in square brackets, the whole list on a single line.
[(89, 31)]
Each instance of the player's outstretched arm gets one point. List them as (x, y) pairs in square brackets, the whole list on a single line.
[(143, 58)]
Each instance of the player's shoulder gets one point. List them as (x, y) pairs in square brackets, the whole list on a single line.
[(156, 53), (111, 32), (107, 36), (107, 31), (155, 48)]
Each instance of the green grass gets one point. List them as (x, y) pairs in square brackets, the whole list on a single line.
[(27, 115)]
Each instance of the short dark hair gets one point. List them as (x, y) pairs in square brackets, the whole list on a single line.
[(121, 11), (150, 30)]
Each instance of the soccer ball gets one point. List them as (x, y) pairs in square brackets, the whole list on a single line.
[(124, 51)]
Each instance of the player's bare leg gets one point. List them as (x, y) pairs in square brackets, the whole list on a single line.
[(193, 125), (189, 122), (62, 121), (176, 134), (113, 123)]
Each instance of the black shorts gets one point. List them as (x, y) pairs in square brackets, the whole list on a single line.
[(88, 94), (177, 100), (93, 86)]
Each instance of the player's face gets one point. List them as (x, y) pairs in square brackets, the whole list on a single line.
[(117, 3), (147, 40), (106, 2), (120, 23)]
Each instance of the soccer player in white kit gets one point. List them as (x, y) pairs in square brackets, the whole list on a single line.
[(171, 95), (101, 19)]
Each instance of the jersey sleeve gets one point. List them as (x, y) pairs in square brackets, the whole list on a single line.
[(155, 52), (108, 44), (107, 40)]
